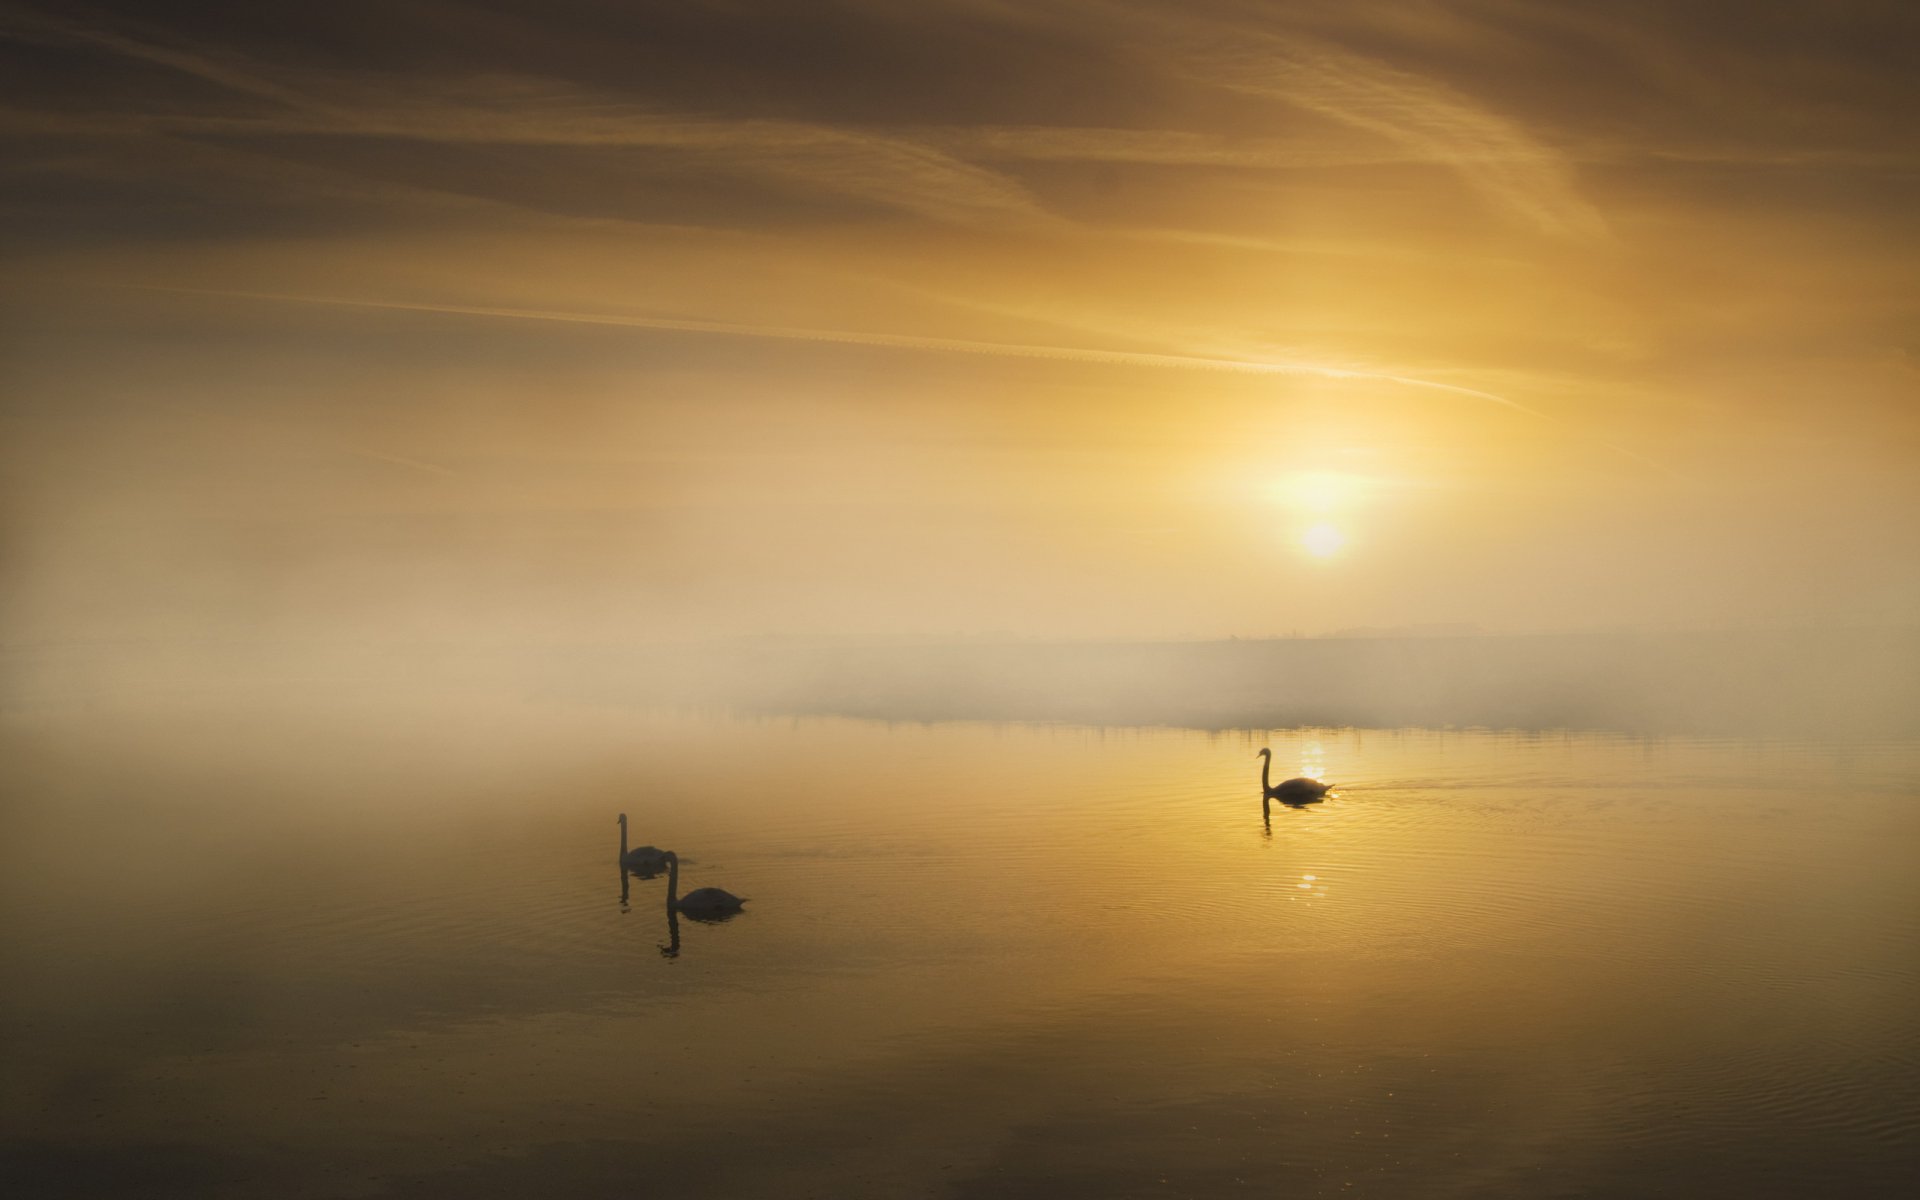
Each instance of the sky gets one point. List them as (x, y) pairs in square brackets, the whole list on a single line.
[(586, 322)]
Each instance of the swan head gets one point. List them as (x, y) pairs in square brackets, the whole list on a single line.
[(1264, 753), (621, 820)]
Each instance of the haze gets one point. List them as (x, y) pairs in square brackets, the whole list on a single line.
[(584, 323)]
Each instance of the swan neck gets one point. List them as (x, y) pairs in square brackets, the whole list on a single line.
[(1266, 785), (623, 837)]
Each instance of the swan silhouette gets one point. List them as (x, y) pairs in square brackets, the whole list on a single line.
[(710, 905), (1295, 791), (701, 904), (644, 861)]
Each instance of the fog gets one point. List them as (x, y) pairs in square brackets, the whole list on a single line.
[(1333, 331), (885, 533)]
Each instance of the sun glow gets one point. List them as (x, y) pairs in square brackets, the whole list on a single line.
[(1321, 491), (1315, 497), (1323, 540)]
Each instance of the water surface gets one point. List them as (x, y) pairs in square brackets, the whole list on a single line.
[(268, 952)]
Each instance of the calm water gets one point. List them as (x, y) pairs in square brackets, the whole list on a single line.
[(283, 954)]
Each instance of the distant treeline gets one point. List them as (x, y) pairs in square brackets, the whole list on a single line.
[(1822, 683)]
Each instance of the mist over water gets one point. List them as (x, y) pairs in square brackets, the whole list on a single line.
[(1836, 684)]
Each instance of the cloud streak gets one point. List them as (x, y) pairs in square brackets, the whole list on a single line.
[(873, 167), (401, 460), (958, 174), (1423, 117), (1092, 356), (1491, 153), (939, 345)]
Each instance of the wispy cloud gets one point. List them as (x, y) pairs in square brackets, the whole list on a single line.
[(1426, 118), (1156, 147), (1491, 153), (872, 167), (956, 174), (1186, 148), (918, 342), (22, 24)]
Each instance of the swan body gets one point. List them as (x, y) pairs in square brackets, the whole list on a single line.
[(1299, 790), (701, 904), (709, 902), (1301, 787), (644, 861)]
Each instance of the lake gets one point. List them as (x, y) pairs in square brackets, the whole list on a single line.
[(381, 948)]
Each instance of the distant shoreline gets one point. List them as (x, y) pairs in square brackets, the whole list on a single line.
[(1742, 682), (1855, 682)]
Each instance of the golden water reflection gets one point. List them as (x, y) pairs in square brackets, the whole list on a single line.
[(1023, 957)]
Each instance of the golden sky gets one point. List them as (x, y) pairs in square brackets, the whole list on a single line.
[(584, 320)]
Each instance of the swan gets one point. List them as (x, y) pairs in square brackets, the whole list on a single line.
[(1290, 791), (701, 904), (708, 905), (644, 861)]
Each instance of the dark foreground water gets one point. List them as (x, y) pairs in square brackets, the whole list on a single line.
[(257, 953)]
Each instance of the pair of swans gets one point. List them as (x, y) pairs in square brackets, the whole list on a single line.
[(701, 904), (1297, 791)]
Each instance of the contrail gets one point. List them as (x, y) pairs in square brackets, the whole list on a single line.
[(400, 460), (898, 341)]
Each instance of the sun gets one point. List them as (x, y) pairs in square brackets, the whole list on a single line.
[(1316, 500), (1323, 540)]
